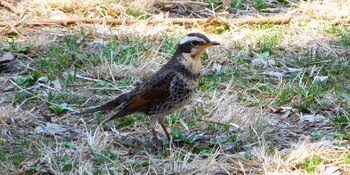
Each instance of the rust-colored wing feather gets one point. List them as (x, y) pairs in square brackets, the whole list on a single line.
[(150, 93)]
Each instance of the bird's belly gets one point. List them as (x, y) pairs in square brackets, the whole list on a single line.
[(177, 106), (171, 105)]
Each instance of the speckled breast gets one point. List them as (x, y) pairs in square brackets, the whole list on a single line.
[(179, 99)]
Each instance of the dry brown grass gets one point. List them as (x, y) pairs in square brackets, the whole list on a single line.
[(53, 9), (326, 9), (263, 151)]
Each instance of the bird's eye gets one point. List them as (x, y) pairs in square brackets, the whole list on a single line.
[(195, 43)]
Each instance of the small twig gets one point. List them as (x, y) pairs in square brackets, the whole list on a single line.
[(209, 121), (238, 128), (47, 87), (9, 6), (179, 21), (88, 78)]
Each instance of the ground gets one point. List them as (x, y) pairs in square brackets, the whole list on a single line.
[(272, 99)]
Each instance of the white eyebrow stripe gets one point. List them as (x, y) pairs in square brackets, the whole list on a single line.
[(186, 39)]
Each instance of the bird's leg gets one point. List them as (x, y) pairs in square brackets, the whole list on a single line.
[(154, 133), (155, 137), (161, 121)]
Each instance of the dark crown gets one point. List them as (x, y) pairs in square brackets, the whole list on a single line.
[(192, 40)]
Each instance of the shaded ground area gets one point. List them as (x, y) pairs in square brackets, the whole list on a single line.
[(272, 99)]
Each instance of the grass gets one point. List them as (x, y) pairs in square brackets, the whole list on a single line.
[(241, 113), (261, 4), (312, 165)]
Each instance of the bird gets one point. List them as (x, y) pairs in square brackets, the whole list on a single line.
[(167, 90)]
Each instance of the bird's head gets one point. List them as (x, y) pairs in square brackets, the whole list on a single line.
[(195, 44), (191, 48)]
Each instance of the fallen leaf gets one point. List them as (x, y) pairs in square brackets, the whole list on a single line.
[(313, 118), (169, 7), (56, 129), (6, 58), (292, 70), (285, 114), (320, 78), (57, 85), (261, 61), (51, 128)]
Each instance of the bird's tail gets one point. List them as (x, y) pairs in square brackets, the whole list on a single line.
[(107, 106), (115, 116)]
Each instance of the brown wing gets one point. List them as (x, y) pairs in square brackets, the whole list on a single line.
[(153, 91)]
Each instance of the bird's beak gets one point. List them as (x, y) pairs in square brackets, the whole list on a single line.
[(212, 43)]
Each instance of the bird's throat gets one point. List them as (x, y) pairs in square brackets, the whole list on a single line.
[(194, 64)]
